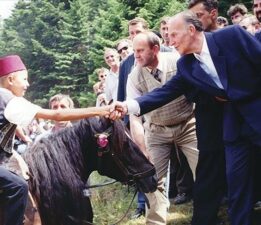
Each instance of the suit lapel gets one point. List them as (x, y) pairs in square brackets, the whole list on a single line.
[(219, 61), (200, 74), (191, 70)]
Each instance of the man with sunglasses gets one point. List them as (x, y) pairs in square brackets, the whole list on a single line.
[(124, 48)]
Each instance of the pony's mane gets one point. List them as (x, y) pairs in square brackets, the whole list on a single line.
[(58, 162)]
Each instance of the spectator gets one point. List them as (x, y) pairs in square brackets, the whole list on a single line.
[(112, 59), (165, 127), (257, 13), (57, 102), (206, 11), (99, 87), (222, 22), (135, 26), (250, 24), (124, 48), (164, 30), (257, 9), (237, 12)]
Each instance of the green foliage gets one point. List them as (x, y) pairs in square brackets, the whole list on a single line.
[(62, 41)]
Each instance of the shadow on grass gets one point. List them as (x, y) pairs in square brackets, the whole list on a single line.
[(111, 202)]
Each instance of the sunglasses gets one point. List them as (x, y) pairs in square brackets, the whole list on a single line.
[(124, 48)]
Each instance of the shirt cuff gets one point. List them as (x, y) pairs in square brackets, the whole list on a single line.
[(133, 107)]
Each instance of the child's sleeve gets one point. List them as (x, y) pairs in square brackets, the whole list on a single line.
[(20, 111)]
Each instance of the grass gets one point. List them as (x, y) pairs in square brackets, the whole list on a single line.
[(111, 202)]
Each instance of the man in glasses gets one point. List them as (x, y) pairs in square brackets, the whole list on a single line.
[(124, 48)]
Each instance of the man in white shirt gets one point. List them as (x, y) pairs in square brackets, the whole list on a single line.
[(112, 59)]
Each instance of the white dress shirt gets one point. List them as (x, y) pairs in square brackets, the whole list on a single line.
[(207, 64), (133, 92), (111, 86)]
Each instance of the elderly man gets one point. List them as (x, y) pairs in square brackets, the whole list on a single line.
[(226, 65), (208, 190)]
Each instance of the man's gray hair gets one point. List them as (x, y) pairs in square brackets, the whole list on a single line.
[(191, 18)]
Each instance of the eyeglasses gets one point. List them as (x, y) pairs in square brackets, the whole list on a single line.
[(124, 48)]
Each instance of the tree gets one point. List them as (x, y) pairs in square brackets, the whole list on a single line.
[(62, 41)]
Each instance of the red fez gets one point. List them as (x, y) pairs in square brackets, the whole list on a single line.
[(10, 64)]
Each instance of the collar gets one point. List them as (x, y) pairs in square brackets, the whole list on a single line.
[(204, 50), (159, 66)]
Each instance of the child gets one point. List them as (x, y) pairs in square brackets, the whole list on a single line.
[(17, 111)]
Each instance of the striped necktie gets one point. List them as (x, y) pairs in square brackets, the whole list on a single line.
[(156, 74)]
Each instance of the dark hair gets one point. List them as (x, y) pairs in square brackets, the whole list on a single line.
[(237, 8), (190, 18), (164, 20), (222, 20), (209, 4), (157, 33)]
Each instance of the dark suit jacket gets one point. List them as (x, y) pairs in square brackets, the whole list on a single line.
[(125, 69), (236, 55), (258, 35)]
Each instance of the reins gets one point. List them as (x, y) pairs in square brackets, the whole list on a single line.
[(104, 148), (120, 220), (101, 185)]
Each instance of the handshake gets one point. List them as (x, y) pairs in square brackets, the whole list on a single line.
[(117, 110)]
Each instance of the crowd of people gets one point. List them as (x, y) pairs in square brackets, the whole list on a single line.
[(189, 95)]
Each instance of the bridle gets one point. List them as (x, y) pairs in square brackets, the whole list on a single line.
[(106, 149)]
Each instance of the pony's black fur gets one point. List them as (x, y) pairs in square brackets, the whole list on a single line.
[(61, 163)]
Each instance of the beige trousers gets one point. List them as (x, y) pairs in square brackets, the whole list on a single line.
[(159, 142)]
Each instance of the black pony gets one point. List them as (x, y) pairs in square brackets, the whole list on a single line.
[(61, 163)]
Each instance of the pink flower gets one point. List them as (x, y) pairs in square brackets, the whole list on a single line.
[(102, 140)]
